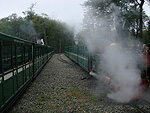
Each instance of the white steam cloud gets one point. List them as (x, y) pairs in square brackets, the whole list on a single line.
[(116, 62), (29, 33), (122, 68)]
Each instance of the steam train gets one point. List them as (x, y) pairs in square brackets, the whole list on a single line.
[(92, 63)]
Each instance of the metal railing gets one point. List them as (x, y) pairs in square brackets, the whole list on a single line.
[(20, 63), (79, 54)]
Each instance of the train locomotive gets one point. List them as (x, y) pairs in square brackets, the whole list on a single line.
[(92, 63)]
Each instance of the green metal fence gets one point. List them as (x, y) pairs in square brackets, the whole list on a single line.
[(20, 63), (80, 54)]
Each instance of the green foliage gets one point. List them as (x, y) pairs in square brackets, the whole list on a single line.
[(34, 26), (146, 34), (10, 25), (123, 15)]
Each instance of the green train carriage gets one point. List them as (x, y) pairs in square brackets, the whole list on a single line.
[(20, 63)]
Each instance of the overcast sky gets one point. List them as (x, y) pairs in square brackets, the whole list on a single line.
[(69, 11)]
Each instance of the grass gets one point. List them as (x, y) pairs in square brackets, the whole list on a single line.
[(70, 99)]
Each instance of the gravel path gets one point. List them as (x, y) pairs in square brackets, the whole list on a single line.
[(66, 88)]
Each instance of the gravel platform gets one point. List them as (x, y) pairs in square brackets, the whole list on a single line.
[(64, 87)]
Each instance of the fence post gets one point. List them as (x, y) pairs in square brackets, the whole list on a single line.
[(33, 54)]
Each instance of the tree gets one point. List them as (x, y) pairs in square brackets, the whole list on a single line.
[(121, 15), (141, 3), (35, 27), (41, 24), (59, 35), (30, 13), (146, 34), (11, 25)]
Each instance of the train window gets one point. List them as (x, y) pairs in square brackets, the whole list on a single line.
[(30, 53), (7, 61), (36, 50), (19, 51), (26, 54), (41, 52), (23, 53), (14, 55), (35, 53)]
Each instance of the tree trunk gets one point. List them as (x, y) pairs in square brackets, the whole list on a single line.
[(141, 19)]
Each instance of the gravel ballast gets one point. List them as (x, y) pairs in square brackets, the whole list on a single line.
[(65, 87)]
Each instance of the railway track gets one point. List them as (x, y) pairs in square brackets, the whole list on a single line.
[(59, 57), (140, 106)]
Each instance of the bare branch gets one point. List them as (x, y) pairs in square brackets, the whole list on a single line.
[(148, 1), (137, 2)]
